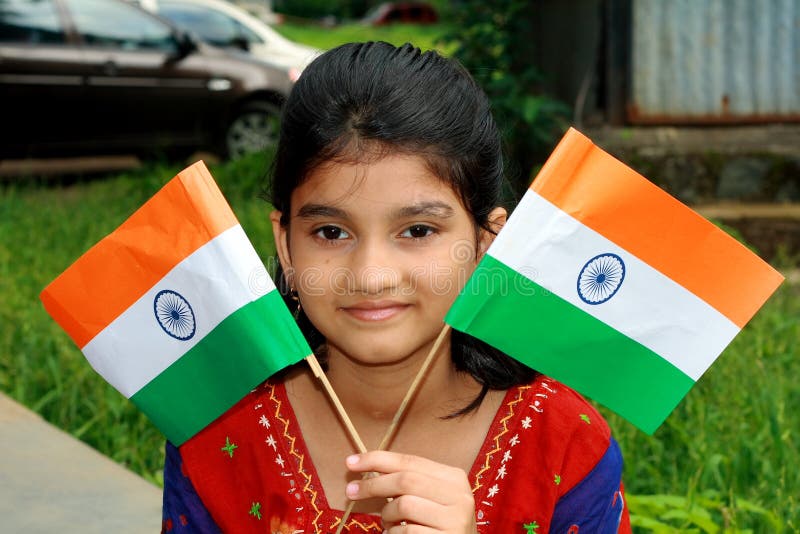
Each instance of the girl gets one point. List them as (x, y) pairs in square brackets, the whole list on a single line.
[(386, 188)]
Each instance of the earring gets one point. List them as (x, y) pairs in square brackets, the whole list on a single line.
[(296, 298)]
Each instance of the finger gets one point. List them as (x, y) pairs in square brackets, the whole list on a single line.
[(413, 509), (380, 485), (404, 483), (456, 517), (394, 462), (409, 529)]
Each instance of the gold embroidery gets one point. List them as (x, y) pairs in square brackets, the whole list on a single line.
[(487, 458), (307, 488), (370, 527), (366, 528)]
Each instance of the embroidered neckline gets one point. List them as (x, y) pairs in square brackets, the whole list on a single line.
[(501, 423), (484, 464), (313, 487)]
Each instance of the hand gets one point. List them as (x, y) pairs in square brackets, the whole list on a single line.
[(427, 497)]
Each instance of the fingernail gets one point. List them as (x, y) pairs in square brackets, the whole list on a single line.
[(351, 490), (352, 459)]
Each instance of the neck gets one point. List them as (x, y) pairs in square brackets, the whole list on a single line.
[(372, 394)]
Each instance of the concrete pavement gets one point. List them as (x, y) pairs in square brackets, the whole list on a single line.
[(51, 482)]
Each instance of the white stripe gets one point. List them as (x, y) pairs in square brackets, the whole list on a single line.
[(217, 279), (550, 247)]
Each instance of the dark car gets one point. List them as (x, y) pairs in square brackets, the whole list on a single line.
[(407, 12), (106, 77)]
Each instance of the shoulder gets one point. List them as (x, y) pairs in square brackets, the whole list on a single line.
[(549, 451), (565, 411), (239, 455), (240, 422), (572, 434), (586, 463), (182, 507)]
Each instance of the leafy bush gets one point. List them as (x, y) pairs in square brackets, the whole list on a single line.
[(709, 512), (492, 40)]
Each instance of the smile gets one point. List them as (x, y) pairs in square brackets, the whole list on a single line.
[(375, 311)]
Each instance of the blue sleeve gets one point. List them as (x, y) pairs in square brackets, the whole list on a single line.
[(596, 503), (183, 512)]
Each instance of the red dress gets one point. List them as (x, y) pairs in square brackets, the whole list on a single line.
[(548, 464)]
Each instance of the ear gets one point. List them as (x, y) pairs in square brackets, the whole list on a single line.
[(496, 220), (281, 236)]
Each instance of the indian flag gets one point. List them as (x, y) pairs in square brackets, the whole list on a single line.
[(175, 309), (602, 280)]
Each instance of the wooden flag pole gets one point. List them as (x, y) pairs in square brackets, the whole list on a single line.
[(316, 368), (401, 410), (412, 389)]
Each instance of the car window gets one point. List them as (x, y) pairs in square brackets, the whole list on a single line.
[(119, 25), (209, 24), (247, 34), (30, 21)]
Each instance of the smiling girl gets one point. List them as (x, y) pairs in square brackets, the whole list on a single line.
[(386, 188)]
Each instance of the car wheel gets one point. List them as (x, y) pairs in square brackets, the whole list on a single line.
[(253, 129)]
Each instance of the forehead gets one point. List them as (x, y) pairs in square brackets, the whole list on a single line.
[(389, 182)]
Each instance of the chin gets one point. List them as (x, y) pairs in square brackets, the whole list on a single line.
[(377, 354)]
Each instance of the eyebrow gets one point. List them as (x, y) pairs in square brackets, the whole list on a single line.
[(430, 209), (314, 211)]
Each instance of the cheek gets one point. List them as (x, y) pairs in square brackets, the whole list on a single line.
[(310, 281), (314, 307), (313, 271), (444, 277), (463, 251)]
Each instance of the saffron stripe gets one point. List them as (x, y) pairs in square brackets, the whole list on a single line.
[(540, 329), (185, 214), (617, 202), (215, 280), (246, 348)]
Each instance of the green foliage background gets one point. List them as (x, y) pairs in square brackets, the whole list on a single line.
[(492, 40), (427, 37)]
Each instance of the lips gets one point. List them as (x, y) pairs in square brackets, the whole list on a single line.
[(373, 311)]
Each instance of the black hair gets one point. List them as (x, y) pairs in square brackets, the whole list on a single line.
[(364, 100)]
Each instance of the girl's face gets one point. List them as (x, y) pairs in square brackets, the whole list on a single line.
[(377, 253)]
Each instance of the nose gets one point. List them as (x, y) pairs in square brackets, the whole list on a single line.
[(374, 267)]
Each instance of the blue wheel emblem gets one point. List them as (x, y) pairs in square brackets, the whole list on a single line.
[(600, 278), (174, 314)]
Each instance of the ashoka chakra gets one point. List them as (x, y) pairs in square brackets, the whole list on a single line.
[(600, 278), (174, 314)]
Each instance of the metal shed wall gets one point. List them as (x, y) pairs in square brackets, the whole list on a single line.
[(715, 61)]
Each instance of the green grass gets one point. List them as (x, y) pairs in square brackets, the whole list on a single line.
[(424, 36), (731, 446), (724, 461), (42, 230)]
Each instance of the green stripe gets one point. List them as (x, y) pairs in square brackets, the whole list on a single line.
[(510, 312), (246, 348)]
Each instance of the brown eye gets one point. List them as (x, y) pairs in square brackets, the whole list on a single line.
[(418, 231), (332, 233)]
